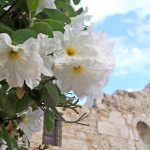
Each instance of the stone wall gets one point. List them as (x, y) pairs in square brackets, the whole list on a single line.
[(112, 125)]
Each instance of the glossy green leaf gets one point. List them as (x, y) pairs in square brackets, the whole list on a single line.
[(55, 25), (7, 138), (5, 105), (79, 11), (22, 104), (3, 2), (49, 119), (22, 35), (66, 8), (5, 29), (76, 2), (50, 94), (32, 4), (42, 27), (68, 1), (54, 15), (11, 141)]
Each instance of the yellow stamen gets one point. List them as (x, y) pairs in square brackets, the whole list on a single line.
[(71, 51), (12, 55), (78, 69)]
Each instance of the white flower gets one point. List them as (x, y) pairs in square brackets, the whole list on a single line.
[(45, 4), (3, 145), (85, 63), (21, 63), (47, 47), (31, 123), (23, 142), (78, 22), (81, 75), (76, 43), (104, 48)]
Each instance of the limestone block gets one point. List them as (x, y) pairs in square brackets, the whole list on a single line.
[(131, 134), (101, 106), (132, 145), (104, 119), (80, 135), (74, 144), (102, 113), (123, 144), (114, 142), (116, 118), (107, 128), (123, 131), (118, 143), (129, 119), (135, 134)]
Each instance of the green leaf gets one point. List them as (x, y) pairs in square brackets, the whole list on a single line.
[(49, 119), (5, 29), (68, 1), (4, 85), (79, 11), (22, 35), (32, 4), (42, 27), (66, 8), (5, 105), (76, 2), (62, 98), (15, 144), (11, 142), (50, 94), (54, 15), (7, 138), (22, 104), (55, 25), (2, 2)]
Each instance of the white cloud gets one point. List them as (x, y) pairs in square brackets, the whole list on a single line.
[(141, 30), (132, 61), (131, 89), (102, 8)]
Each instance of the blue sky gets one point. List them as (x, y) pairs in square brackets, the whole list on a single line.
[(128, 26)]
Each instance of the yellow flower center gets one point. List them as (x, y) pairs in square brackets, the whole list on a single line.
[(78, 69), (71, 51), (12, 55)]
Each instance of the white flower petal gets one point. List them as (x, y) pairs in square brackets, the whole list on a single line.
[(5, 42), (76, 43), (78, 22), (22, 63), (82, 75), (31, 122), (4, 145), (47, 48), (45, 4)]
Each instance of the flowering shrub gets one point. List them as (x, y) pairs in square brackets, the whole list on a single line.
[(46, 51)]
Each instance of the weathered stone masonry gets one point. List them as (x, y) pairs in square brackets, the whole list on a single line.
[(113, 124)]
